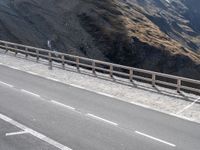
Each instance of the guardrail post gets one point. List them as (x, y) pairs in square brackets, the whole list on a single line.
[(37, 53), (131, 74), (178, 85), (63, 61), (153, 80), (15, 50), (111, 71), (26, 52), (50, 60), (77, 63), (6, 45), (93, 67)]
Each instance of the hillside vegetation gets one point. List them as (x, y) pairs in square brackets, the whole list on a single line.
[(129, 32)]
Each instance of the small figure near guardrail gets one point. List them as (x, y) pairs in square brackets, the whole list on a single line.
[(49, 44), (52, 46)]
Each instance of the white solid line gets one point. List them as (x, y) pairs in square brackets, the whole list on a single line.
[(63, 105), (187, 107), (14, 67), (182, 117), (108, 95), (102, 119), (30, 93), (5, 118), (16, 133), (77, 86), (156, 139), (34, 133), (33, 73), (53, 79), (9, 85), (141, 105)]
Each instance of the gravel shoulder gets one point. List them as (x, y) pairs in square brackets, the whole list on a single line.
[(168, 101)]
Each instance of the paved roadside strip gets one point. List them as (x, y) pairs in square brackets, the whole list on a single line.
[(144, 95), (187, 107)]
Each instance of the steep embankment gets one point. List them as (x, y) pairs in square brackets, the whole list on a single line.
[(112, 30)]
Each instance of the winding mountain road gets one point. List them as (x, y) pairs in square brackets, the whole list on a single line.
[(42, 114)]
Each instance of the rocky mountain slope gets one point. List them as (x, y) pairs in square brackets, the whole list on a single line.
[(160, 35)]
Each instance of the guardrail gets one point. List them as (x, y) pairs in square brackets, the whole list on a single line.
[(154, 78)]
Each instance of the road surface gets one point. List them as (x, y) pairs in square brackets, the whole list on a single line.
[(42, 114)]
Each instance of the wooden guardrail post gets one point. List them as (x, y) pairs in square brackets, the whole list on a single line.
[(63, 61), (77, 63), (50, 60), (15, 50), (153, 80), (131, 74), (93, 67), (6, 45), (37, 53), (111, 71), (26, 52), (178, 85)]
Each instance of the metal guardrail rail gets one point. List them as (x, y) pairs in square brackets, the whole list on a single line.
[(154, 78)]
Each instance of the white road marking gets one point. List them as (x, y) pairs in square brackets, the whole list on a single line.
[(6, 84), (14, 67), (63, 105), (30, 93), (53, 79), (102, 119), (182, 117), (77, 86), (35, 133), (108, 95), (16, 133), (141, 105), (156, 139), (187, 107), (5, 118), (33, 73)]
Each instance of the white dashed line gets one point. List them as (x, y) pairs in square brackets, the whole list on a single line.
[(6, 84), (63, 105), (34, 133), (16, 133), (187, 107), (30, 93), (156, 139), (102, 119)]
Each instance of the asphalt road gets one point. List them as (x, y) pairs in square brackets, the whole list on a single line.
[(41, 114)]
